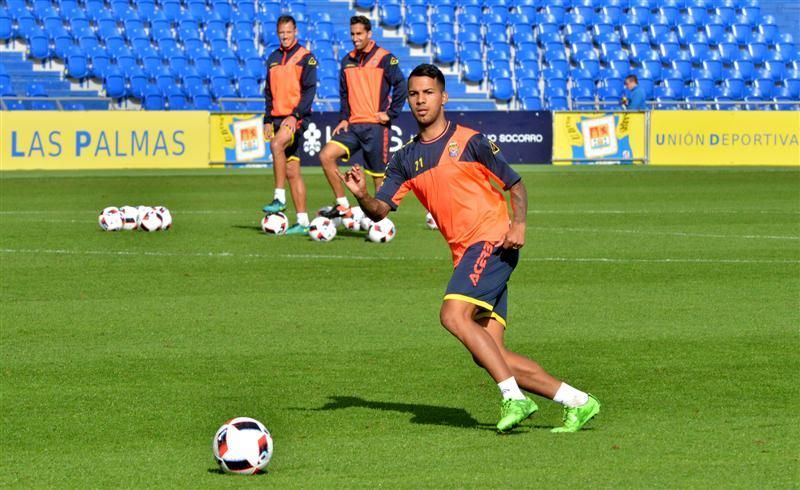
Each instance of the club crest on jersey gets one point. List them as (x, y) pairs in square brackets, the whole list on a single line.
[(452, 148)]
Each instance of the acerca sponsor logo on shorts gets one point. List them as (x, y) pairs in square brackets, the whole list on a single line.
[(516, 138)]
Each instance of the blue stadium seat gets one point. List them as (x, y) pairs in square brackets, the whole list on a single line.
[(417, 33), (714, 67), (249, 87), (176, 99), (114, 83), (77, 65), (532, 104), (153, 99), (757, 50), (444, 52), (558, 103), (792, 83), (502, 89), (191, 80), (39, 44), (473, 71), (674, 80), (742, 33), (591, 66), (775, 69), (391, 15), (527, 90), (735, 87)]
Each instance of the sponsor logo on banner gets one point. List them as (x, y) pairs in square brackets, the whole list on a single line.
[(725, 138), (599, 137), (590, 138), (249, 138)]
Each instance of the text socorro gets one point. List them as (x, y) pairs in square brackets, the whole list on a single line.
[(727, 139), (101, 143)]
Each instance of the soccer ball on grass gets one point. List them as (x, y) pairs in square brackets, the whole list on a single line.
[(242, 445)]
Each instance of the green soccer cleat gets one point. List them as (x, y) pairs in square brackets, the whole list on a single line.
[(513, 412), (297, 229), (276, 206), (576, 417)]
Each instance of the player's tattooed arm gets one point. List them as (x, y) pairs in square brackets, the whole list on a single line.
[(375, 209), (515, 238)]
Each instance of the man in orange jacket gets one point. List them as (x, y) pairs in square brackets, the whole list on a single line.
[(290, 88), (372, 91)]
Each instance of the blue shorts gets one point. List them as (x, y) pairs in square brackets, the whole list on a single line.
[(372, 140), (481, 278)]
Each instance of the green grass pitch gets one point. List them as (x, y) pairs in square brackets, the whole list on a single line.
[(671, 294)]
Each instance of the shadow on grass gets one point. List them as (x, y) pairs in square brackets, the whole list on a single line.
[(218, 471), (421, 414)]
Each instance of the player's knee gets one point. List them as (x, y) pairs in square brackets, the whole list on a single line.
[(293, 169), (327, 156), (451, 317), (279, 142)]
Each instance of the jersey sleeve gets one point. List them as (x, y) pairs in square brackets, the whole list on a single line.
[(398, 83), (483, 151), (395, 186), (308, 87)]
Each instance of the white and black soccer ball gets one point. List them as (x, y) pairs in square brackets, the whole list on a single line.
[(431, 222), (143, 210), (110, 219), (351, 224), (150, 222), (275, 224), (366, 223), (165, 215), (243, 445), (338, 221), (381, 232), (322, 229), (130, 217)]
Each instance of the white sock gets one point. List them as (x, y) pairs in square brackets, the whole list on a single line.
[(510, 390), (342, 201), (569, 396), (280, 194), (302, 219)]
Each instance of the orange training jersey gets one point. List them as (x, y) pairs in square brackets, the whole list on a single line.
[(452, 177), (370, 81)]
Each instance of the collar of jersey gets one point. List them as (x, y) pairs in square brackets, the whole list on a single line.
[(434, 140)]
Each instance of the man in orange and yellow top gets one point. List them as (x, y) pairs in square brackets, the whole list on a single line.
[(451, 169), (372, 91), (289, 93)]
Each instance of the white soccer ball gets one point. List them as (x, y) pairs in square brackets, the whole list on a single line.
[(110, 219), (358, 213), (243, 445), (366, 223), (431, 222), (275, 224), (130, 217), (165, 215), (150, 222), (336, 221), (143, 210), (322, 229), (381, 232), (351, 224)]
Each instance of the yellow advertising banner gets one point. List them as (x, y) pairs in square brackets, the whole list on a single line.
[(586, 138), (31, 140), (725, 138), (223, 139)]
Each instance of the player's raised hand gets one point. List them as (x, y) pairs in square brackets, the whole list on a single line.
[(354, 180), (342, 126), (515, 238)]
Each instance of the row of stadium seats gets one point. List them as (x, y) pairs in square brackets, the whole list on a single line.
[(579, 50)]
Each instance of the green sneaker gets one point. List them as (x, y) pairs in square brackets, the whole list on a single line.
[(276, 206), (513, 412), (575, 418), (297, 229)]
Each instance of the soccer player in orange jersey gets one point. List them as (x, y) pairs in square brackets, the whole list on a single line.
[(291, 84), (450, 168), (372, 93)]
